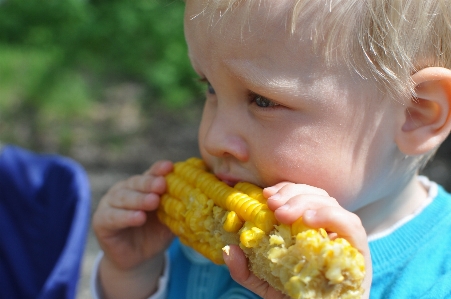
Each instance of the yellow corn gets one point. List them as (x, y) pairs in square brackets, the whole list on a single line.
[(207, 215)]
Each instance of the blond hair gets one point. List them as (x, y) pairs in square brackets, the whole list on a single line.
[(387, 40)]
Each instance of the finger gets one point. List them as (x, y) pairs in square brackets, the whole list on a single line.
[(160, 168), (118, 219), (239, 270), (345, 224), (143, 183), (279, 194), (292, 209), (133, 200), (269, 191)]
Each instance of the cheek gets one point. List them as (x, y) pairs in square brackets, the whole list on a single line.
[(203, 129), (326, 161), (290, 157)]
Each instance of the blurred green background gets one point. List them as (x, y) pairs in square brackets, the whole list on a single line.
[(78, 73)]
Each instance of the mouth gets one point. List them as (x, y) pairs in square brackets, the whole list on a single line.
[(229, 180)]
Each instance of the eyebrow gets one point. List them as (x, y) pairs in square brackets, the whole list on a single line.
[(253, 77)]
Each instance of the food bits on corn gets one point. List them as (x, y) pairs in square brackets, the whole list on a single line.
[(226, 249), (207, 215)]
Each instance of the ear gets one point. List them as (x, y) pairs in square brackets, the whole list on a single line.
[(428, 115)]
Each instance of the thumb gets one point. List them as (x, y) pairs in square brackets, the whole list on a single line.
[(239, 270)]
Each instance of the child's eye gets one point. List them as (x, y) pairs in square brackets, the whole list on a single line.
[(210, 88), (263, 102)]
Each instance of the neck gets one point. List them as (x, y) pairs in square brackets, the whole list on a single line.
[(384, 213)]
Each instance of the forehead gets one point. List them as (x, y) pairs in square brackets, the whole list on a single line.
[(242, 25), (256, 33)]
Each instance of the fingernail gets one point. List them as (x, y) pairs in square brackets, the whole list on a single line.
[(284, 207), (309, 214), (275, 196)]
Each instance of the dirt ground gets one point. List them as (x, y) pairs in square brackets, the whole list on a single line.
[(168, 136)]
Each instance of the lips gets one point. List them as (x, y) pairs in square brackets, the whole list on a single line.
[(228, 179)]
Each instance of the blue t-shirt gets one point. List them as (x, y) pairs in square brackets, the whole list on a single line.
[(413, 261)]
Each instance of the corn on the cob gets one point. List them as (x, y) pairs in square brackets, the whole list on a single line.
[(207, 215)]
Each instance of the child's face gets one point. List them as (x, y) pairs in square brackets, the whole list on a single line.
[(274, 112)]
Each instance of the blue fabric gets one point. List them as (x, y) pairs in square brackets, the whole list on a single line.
[(44, 219), (415, 260)]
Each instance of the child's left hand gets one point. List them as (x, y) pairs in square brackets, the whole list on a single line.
[(289, 202)]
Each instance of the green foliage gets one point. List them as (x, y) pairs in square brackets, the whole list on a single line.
[(56, 56), (125, 40), (20, 71), (41, 23), (142, 40)]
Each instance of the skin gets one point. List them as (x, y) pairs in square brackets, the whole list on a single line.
[(131, 236), (323, 142)]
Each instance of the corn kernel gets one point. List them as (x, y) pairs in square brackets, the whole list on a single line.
[(207, 214)]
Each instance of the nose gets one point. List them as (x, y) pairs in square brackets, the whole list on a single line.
[(222, 135)]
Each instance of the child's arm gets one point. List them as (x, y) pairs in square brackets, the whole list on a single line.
[(131, 236), (319, 210)]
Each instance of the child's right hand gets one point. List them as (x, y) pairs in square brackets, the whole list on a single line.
[(127, 227), (319, 210), (290, 201)]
